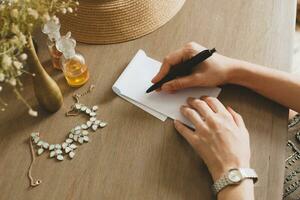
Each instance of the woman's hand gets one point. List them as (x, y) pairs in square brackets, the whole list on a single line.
[(220, 137), (212, 72)]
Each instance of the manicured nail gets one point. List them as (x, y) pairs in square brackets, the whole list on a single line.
[(229, 108), (183, 107), (176, 123), (190, 99), (203, 97)]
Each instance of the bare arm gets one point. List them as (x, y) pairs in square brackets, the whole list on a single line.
[(282, 87), (244, 191), (216, 138), (279, 86)]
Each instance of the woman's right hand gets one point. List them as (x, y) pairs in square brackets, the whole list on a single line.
[(214, 71)]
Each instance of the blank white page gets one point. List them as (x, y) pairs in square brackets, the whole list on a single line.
[(136, 79)]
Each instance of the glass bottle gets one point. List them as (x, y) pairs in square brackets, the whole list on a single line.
[(51, 28), (73, 63)]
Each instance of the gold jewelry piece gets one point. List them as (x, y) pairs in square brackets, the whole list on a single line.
[(77, 136)]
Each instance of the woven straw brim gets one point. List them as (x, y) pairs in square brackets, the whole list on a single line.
[(114, 21)]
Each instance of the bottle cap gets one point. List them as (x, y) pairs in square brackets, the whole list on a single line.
[(51, 28), (66, 45)]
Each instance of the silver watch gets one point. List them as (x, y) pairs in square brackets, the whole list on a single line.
[(233, 177)]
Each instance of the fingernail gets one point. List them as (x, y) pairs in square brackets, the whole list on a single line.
[(229, 108), (183, 107), (190, 99), (176, 122), (203, 97)]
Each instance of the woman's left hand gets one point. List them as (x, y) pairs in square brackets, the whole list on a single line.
[(220, 137)]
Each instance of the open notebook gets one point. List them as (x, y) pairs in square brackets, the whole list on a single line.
[(136, 79)]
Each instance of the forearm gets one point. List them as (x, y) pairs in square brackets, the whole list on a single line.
[(243, 191), (279, 86)]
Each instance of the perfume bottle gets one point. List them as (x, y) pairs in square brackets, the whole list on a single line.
[(51, 28), (73, 63)]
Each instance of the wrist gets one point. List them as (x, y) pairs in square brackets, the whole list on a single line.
[(236, 184), (245, 190), (236, 72), (221, 171)]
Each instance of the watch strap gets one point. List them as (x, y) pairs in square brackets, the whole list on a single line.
[(224, 181)]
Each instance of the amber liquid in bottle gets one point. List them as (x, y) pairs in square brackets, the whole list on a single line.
[(76, 72)]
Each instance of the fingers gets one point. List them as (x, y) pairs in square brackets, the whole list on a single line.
[(215, 104), (237, 118), (180, 83), (192, 115), (170, 60), (187, 133), (201, 106), (164, 69)]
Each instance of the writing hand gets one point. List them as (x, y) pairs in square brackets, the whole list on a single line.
[(212, 72)]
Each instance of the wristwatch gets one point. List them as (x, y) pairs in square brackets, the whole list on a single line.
[(234, 177)]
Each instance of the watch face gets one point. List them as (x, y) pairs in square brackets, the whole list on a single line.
[(234, 175)]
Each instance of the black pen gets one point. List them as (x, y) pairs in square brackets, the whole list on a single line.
[(183, 69)]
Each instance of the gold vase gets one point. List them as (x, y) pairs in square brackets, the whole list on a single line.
[(46, 90)]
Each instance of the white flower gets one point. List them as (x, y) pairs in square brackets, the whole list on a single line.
[(6, 61), (64, 10), (46, 17), (2, 77), (22, 39), (23, 57), (77, 3), (15, 29), (32, 112), (17, 64), (12, 81), (70, 10), (14, 13), (33, 13)]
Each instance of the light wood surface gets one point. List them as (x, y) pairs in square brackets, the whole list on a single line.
[(137, 156)]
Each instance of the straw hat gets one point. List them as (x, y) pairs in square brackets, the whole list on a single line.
[(113, 21)]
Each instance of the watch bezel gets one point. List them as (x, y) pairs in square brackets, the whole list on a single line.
[(237, 173)]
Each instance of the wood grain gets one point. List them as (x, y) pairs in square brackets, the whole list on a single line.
[(138, 156)]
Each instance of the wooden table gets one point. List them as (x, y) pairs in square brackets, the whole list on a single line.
[(137, 156)]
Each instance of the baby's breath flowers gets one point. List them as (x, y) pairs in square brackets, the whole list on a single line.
[(18, 18)]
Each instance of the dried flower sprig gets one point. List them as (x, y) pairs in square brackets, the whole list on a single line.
[(18, 19)]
